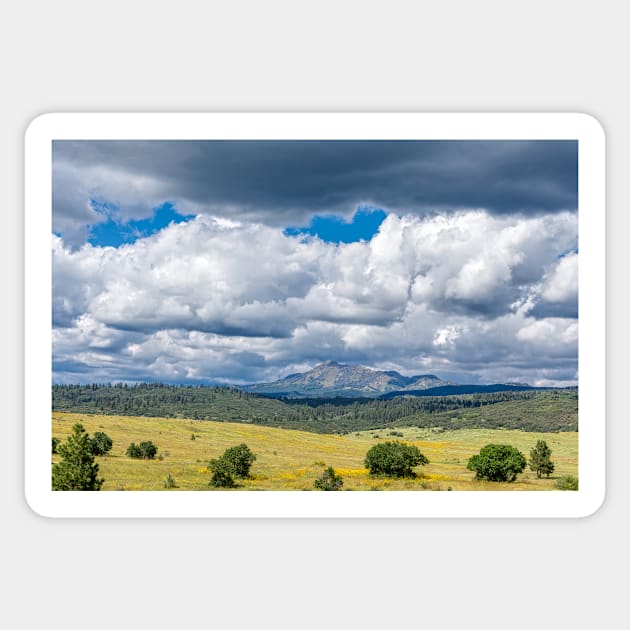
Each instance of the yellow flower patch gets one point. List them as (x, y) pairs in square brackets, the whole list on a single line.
[(352, 472)]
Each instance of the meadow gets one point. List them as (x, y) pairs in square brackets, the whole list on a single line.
[(290, 459)]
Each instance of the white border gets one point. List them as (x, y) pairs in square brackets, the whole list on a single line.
[(38, 309)]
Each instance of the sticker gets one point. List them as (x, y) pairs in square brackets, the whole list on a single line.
[(315, 315)]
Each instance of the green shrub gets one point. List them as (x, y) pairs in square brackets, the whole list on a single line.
[(222, 474), (235, 462), (568, 482), (101, 443), (144, 450), (55, 444), (497, 462), (148, 450), (240, 459), (329, 480), (394, 459), (76, 470), (133, 450)]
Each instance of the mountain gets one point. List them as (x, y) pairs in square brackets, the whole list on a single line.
[(331, 379)]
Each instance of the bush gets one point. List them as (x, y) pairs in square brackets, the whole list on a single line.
[(540, 459), (568, 482), (497, 462), (101, 443), (133, 450), (144, 450), (235, 462), (222, 474), (394, 459), (55, 444), (329, 480), (240, 459), (76, 470), (169, 482)]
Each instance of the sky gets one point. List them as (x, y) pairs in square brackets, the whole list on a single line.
[(245, 261)]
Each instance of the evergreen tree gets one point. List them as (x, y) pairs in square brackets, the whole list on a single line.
[(540, 459), (76, 470)]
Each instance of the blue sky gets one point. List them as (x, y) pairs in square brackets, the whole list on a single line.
[(363, 225), (114, 232)]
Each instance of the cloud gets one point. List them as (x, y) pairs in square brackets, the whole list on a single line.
[(284, 183), (220, 300), (562, 284)]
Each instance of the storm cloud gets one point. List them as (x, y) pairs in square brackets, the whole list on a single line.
[(283, 183)]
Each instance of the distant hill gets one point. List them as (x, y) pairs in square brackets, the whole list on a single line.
[(454, 390), (531, 410), (331, 379)]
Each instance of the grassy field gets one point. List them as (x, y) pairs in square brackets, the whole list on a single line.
[(292, 460)]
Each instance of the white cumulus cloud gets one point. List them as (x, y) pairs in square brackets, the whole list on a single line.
[(238, 301)]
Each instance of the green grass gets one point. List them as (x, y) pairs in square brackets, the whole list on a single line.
[(291, 460)]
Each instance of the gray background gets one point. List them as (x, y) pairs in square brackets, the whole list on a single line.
[(282, 56)]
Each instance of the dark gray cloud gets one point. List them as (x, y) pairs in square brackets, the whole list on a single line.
[(284, 182)]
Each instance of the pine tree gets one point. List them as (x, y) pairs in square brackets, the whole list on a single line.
[(540, 459), (76, 470)]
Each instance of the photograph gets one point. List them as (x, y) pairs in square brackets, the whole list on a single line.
[(315, 315)]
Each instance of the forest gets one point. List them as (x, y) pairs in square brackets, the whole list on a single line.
[(552, 410)]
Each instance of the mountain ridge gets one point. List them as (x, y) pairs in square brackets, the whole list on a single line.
[(330, 379)]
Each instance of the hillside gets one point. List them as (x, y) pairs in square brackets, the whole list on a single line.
[(541, 411), (527, 410), (292, 460)]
